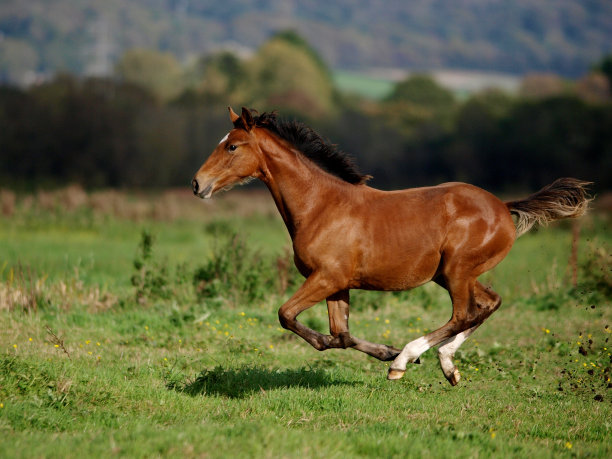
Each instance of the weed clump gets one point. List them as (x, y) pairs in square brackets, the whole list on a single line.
[(240, 274), (597, 271), (150, 277), (235, 273)]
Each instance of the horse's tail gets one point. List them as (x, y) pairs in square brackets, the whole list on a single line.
[(564, 198)]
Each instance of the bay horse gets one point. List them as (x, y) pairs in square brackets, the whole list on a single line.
[(347, 235)]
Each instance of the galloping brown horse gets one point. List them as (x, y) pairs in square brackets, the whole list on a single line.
[(347, 235)]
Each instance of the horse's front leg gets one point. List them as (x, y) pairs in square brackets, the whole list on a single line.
[(338, 309), (316, 288)]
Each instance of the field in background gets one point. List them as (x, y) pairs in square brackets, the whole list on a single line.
[(378, 83), (146, 324)]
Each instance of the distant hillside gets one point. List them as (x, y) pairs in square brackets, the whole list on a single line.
[(518, 36)]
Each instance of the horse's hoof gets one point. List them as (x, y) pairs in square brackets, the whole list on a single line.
[(454, 377), (395, 374)]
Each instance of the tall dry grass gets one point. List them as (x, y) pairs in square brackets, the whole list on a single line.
[(166, 205), (7, 202), (25, 290)]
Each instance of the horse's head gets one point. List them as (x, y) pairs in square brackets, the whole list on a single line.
[(236, 159)]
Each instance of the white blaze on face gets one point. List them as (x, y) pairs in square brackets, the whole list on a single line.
[(224, 138)]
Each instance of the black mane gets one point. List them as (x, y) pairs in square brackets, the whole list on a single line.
[(327, 156)]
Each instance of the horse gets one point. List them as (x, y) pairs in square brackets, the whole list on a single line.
[(347, 235)]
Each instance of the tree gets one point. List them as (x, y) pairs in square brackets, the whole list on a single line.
[(593, 87), (605, 66), (158, 72), (421, 90), (418, 105), (220, 79), (17, 58), (287, 74), (542, 85)]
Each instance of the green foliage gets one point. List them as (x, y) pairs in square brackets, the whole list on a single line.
[(17, 58), (421, 90), (286, 74), (219, 79), (158, 72)]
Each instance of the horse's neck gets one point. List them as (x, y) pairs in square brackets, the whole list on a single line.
[(297, 186)]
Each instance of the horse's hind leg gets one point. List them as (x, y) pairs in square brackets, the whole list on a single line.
[(338, 309), (487, 301), (460, 291), (446, 352), (472, 304)]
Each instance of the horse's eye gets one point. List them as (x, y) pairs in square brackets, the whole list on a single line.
[(233, 147)]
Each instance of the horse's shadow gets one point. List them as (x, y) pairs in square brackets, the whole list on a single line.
[(241, 382)]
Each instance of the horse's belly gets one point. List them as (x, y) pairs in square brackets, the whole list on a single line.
[(401, 272)]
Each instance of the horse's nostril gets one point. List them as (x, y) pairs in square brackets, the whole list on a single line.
[(195, 185)]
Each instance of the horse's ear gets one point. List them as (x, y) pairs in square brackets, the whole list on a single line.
[(247, 119), (233, 116)]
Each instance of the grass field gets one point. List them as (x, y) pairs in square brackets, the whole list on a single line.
[(115, 344)]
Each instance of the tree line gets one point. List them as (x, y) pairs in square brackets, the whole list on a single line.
[(154, 122), (88, 36)]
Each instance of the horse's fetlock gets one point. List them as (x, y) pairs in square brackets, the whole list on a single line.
[(321, 344), (346, 340)]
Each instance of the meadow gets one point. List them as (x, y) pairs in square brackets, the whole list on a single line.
[(145, 325)]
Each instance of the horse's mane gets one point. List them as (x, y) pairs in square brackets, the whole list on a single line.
[(327, 156)]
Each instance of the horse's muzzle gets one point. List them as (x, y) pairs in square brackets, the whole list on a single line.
[(204, 193)]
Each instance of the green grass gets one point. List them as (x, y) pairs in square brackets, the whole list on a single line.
[(186, 375)]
